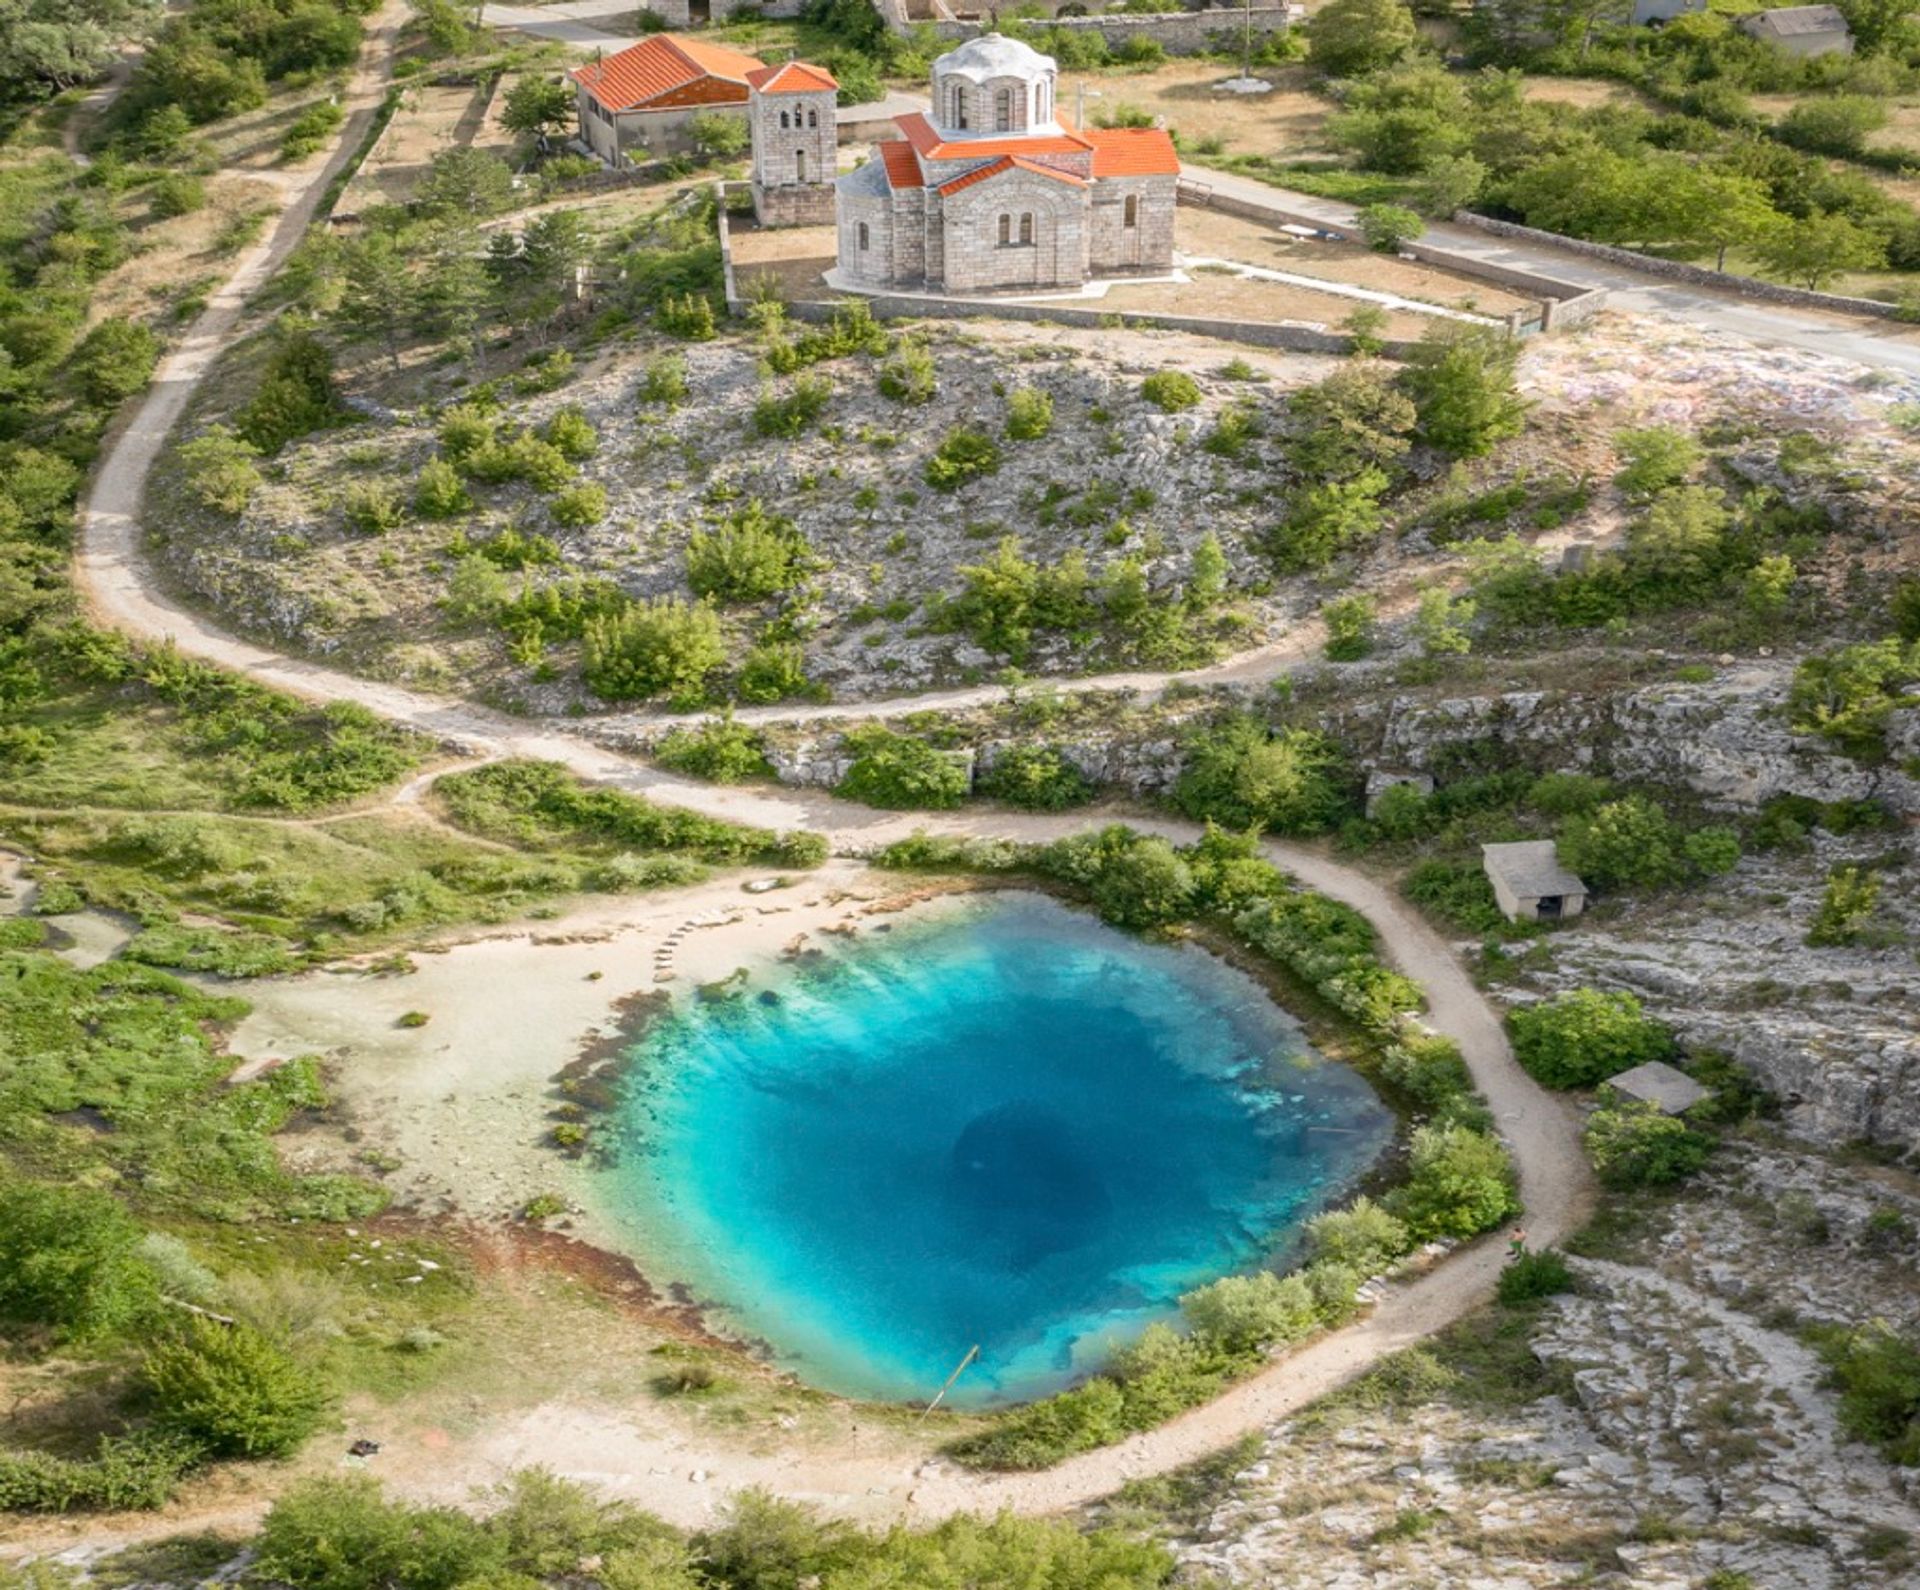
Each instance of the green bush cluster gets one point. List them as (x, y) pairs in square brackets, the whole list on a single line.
[(662, 646), (344, 1534), (901, 772), (1876, 1368), (749, 556), (964, 454), (1634, 1144), (541, 804), (1036, 778), (717, 749), (216, 59), (1242, 773), (1579, 1039)]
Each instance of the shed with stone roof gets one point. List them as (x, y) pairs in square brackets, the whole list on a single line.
[(1667, 1088), (1530, 883), (1801, 30)]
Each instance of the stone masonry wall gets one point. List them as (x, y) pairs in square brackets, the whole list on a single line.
[(1178, 32), (1145, 246), (798, 204), (808, 138)]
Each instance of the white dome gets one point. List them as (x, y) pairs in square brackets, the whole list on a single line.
[(995, 55)]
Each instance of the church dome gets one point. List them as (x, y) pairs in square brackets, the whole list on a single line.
[(994, 55)]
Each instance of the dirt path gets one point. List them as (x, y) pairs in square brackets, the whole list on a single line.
[(670, 1474)]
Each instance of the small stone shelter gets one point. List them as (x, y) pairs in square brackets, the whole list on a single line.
[(1382, 779), (1665, 1087), (1801, 30), (992, 190), (1530, 883), (796, 151), (640, 104)]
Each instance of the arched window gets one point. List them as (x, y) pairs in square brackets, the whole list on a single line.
[(784, 123), (1133, 210), (863, 237), (813, 118), (959, 107), (1002, 109), (1006, 230), (800, 164), (1026, 227)]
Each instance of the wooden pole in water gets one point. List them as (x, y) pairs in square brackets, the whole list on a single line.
[(973, 1352)]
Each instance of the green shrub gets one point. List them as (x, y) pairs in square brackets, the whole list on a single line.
[(439, 493), (1528, 1277), (70, 1259), (1042, 1433), (1037, 778), (660, 647), (1459, 1184), (115, 359), (1635, 1145), (1428, 1067), (1631, 842), (1171, 391), (1364, 1237), (1455, 891), (897, 771), (1581, 1038), (295, 395), (1349, 621), (1877, 1371), (688, 316), (750, 556), (664, 381), (571, 434), (790, 413), (1847, 695), (1327, 518), (718, 749), (232, 1392), (341, 1534), (777, 671), (1029, 414), (124, 1474), (219, 469), (1241, 774), (1245, 1313), (964, 454), (1847, 906), (909, 374), (372, 507), (1135, 881), (1389, 227), (1461, 381), (311, 129), (1657, 457), (579, 506)]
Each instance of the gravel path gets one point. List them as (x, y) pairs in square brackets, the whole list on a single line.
[(122, 593)]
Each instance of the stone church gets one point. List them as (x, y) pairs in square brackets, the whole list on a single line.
[(991, 192)]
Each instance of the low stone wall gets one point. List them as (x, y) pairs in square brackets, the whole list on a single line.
[(1294, 335), (1696, 275), (1177, 32)]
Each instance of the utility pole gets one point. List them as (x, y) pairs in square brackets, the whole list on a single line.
[(973, 1352)]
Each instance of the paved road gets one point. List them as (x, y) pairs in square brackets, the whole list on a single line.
[(1886, 345)]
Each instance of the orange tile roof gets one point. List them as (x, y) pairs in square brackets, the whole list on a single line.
[(1133, 152), (925, 137), (795, 77), (903, 166), (1010, 163), (658, 66)]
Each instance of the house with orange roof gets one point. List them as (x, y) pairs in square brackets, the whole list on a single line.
[(991, 191), (640, 104)]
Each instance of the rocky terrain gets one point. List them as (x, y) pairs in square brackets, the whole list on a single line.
[(1664, 1425)]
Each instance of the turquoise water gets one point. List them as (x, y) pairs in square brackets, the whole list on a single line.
[(998, 1123)]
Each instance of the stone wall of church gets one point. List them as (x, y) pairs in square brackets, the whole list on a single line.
[(1144, 248), (804, 149), (976, 261), (876, 263), (797, 204)]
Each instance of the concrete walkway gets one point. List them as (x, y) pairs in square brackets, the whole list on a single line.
[(1878, 343)]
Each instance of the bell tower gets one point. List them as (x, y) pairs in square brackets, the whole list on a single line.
[(796, 147)]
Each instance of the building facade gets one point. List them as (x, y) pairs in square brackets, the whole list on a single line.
[(641, 103), (790, 110), (991, 191)]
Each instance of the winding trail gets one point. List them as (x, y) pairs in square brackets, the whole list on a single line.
[(123, 593)]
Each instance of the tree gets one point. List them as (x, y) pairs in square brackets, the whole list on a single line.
[(1626, 842), (1363, 1236), (1815, 249), (1349, 621), (1461, 381), (537, 105), (1834, 124), (1245, 1313), (1326, 519), (1677, 545), (1353, 420), (114, 360), (466, 182), (233, 1392), (1879, 26), (899, 772), (380, 297), (54, 44), (1206, 573), (1657, 456), (750, 556), (1636, 1145), (1349, 37), (1848, 695), (717, 136), (1846, 907), (663, 646), (1387, 227), (1581, 1038)]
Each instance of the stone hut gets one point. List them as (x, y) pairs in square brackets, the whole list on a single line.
[(1530, 883), (1382, 779), (1667, 1089), (1801, 30)]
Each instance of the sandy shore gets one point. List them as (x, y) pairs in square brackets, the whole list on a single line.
[(465, 1102)]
